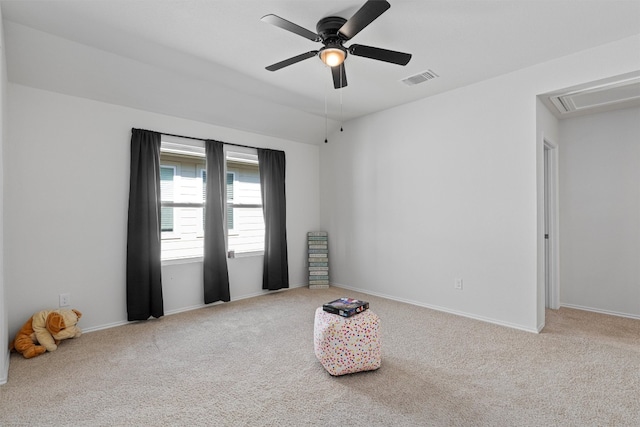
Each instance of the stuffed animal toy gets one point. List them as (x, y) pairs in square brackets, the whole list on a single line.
[(45, 330)]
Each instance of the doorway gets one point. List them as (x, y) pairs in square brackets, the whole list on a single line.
[(551, 240)]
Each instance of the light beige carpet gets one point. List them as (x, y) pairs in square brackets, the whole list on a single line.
[(251, 363)]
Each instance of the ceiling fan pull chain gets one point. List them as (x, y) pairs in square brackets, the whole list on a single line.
[(325, 116), (341, 119)]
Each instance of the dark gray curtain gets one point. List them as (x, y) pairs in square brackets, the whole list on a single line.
[(274, 206), (216, 274), (144, 283)]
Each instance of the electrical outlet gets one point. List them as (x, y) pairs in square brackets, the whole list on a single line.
[(458, 284), (65, 300)]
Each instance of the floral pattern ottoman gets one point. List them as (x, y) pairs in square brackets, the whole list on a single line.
[(345, 345)]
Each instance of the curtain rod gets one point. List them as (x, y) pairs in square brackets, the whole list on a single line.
[(201, 139)]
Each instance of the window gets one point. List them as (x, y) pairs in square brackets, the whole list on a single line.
[(183, 188), (182, 205), (245, 221)]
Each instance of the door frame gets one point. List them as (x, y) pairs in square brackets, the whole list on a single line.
[(552, 244)]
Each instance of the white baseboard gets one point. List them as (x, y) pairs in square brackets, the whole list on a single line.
[(601, 311), (190, 308), (4, 375), (443, 309), (105, 326)]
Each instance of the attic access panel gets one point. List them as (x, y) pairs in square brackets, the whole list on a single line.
[(603, 95)]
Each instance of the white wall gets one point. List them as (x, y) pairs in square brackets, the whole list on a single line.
[(600, 212), (449, 187), (66, 202), (4, 328)]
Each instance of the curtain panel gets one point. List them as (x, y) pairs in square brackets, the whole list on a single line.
[(144, 282), (272, 165), (216, 274)]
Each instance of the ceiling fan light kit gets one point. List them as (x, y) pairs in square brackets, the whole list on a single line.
[(333, 32), (333, 56)]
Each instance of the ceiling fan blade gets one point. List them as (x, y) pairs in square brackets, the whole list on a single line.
[(292, 60), (339, 76), (363, 17), (290, 26), (391, 56)]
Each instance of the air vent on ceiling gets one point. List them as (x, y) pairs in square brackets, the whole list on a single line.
[(625, 91), (420, 78)]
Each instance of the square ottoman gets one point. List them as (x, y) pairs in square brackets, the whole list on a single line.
[(345, 345)]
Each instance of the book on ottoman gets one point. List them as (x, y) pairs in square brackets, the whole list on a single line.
[(345, 307)]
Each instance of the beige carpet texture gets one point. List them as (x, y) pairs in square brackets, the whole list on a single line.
[(252, 363)]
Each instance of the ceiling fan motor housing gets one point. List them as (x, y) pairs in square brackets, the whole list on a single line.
[(327, 29)]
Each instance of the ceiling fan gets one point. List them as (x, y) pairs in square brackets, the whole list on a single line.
[(333, 32)]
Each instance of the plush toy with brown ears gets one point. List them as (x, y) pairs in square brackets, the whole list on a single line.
[(44, 331)]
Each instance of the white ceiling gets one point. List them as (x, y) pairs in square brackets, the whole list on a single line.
[(223, 42)]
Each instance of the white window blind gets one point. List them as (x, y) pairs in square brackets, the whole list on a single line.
[(167, 174)]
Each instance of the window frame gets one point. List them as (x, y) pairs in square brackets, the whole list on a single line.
[(194, 152), (240, 155)]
